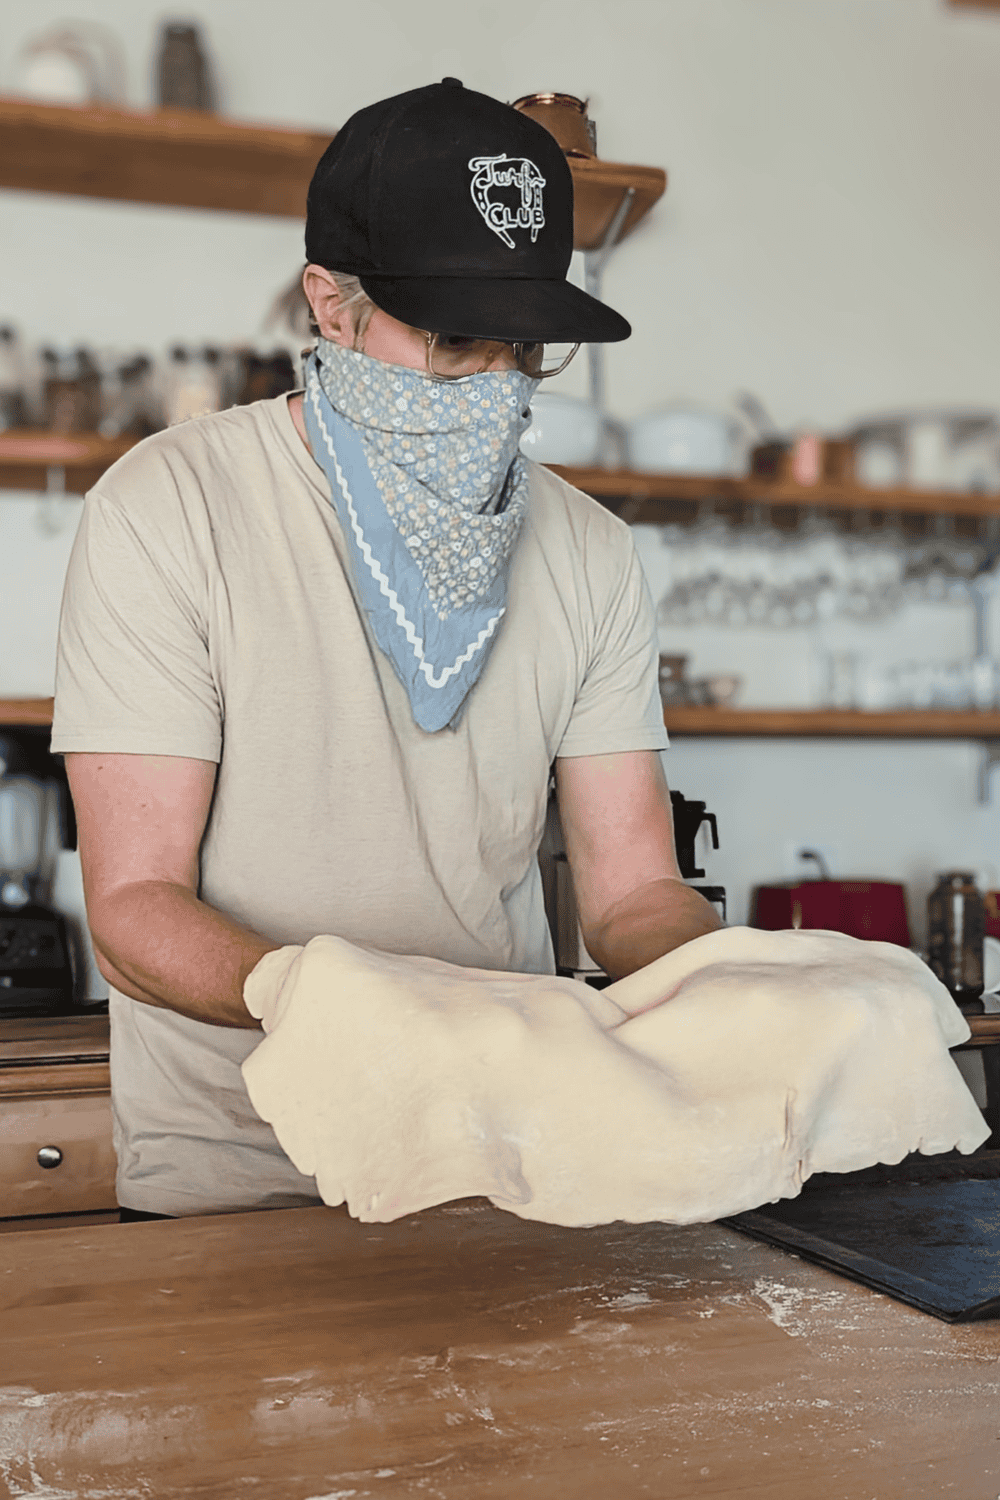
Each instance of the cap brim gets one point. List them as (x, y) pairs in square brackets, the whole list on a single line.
[(551, 311)]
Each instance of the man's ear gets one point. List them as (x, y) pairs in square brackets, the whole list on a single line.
[(334, 320)]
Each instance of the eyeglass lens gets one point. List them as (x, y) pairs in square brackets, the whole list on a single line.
[(456, 354)]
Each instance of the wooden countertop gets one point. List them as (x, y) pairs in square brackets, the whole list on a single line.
[(463, 1354), (78, 1038), (85, 1038)]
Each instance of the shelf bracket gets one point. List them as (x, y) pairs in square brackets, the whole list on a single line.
[(989, 757), (53, 514), (594, 262)]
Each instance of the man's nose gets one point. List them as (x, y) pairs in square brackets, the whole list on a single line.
[(503, 359)]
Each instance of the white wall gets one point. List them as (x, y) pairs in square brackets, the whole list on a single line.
[(828, 241), (828, 237), (33, 560)]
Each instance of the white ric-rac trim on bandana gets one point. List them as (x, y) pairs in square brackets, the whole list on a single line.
[(433, 678)]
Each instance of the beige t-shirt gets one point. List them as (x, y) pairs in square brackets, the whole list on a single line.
[(209, 613)]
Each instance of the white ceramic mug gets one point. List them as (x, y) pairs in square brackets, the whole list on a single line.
[(991, 965), (564, 430), (927, 445), (684, 440)]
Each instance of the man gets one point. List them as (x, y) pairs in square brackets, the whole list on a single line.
[(318, 654)]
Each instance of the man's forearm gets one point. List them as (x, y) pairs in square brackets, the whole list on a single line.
[(158, 943), (650, 922)]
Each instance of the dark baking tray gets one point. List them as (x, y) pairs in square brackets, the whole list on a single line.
[(926, 1232)]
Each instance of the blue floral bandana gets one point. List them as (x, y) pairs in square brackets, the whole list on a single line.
[(430, 487)]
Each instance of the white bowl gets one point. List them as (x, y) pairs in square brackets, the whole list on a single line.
[(684, 440), (991, 965), (564, 430)]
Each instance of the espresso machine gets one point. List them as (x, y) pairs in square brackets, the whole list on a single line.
[(36, 965), (572, 958)]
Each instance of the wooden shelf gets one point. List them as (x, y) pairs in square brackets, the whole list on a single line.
[(191, 159), (21, 711), (833, 723), (784, 723), (598, 189), (171, 156), (642, 498), (26, 458)]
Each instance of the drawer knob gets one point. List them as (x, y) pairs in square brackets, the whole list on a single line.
[(49, 1156)]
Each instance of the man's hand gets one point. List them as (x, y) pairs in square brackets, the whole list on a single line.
[(140, 820), (617, 823)]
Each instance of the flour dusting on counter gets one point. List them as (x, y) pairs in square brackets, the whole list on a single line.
[(630, 1299), (791, 1307)]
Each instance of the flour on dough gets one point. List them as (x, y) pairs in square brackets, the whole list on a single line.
[(716, 1079)]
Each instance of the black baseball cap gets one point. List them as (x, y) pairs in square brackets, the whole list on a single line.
[(456, 213)]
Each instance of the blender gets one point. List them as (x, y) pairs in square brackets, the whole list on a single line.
[(36, 973)]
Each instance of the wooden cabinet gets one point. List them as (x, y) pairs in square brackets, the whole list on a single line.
[(56, 1154)]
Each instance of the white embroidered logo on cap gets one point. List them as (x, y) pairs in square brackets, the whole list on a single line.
[(490, 172)]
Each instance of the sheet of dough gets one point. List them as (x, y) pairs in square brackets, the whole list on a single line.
[(714, 1080)]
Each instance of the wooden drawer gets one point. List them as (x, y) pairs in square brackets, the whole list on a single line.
[(78, 1126), (55, 1093)]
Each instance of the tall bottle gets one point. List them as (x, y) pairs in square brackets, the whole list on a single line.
[(68, 391), (13, 405), (956, 926), (183, 76), (193, 384)]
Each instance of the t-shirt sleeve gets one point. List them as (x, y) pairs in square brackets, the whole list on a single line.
[(133, 668), (618, 705)]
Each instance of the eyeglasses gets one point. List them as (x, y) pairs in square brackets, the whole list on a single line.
[(450, 356)]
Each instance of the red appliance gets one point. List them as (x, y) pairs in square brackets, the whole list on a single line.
[(873, 909), (992, 899)]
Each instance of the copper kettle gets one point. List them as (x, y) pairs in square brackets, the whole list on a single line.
[(565, 117)]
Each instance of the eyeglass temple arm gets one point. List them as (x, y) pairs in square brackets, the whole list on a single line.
[(547, 374)]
